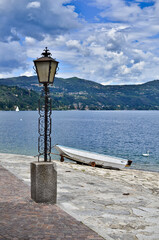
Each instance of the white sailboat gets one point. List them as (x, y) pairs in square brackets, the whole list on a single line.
[(93, 159), (17, 109)]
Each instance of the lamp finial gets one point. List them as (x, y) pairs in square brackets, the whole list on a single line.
[(46, 53)]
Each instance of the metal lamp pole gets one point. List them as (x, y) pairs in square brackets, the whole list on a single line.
[(47, 136), (44, 126), (46, 69)]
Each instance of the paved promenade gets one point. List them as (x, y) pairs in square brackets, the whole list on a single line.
[(117, 205), (21, 218)]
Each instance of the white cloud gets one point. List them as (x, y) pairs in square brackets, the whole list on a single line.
[(30, 40), (27, 73), (33, 5), (106, 54), (118, 10), (74, 44), (36, 19), (12, 56), (26, 26)]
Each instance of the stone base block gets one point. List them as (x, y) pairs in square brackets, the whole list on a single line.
[(44, 182)]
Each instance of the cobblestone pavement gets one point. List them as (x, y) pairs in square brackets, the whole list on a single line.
[(21, 218)]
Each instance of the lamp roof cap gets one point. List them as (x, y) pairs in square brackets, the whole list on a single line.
[(46, 56)]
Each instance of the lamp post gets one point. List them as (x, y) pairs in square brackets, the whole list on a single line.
[(46, 68), (44, 174)]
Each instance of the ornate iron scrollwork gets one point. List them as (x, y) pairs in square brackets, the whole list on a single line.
[(44, 124)]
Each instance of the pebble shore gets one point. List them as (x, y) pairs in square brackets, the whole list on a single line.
[(116, 204)]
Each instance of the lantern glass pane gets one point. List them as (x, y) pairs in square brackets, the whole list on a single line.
[(43, 71), (53, 71)]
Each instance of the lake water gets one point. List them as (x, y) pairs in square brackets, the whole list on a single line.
[(125, 134)]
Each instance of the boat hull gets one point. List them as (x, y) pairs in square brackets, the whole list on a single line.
[(93, 159)]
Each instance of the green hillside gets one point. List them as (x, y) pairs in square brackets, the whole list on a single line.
[(75, 93), (10, 97)]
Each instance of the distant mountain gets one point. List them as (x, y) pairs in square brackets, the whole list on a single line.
[(75, 93), (22, 82)]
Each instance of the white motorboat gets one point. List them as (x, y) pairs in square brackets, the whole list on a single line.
[(90, 158), (146, 154)]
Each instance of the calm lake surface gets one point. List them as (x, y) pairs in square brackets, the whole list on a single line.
[(126, 134)]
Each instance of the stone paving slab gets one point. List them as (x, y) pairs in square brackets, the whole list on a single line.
[(23, 219)]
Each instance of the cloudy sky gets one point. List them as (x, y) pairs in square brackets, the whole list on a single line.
[(107, 41)]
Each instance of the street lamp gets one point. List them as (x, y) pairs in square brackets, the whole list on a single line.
[(43, 173), (46, 68)]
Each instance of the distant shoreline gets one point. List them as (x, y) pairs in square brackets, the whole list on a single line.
[(75, 93), (83, 110)]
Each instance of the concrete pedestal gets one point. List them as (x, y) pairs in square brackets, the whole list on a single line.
[(44, 182)]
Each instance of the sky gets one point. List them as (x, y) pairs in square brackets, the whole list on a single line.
[(106, 41)]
